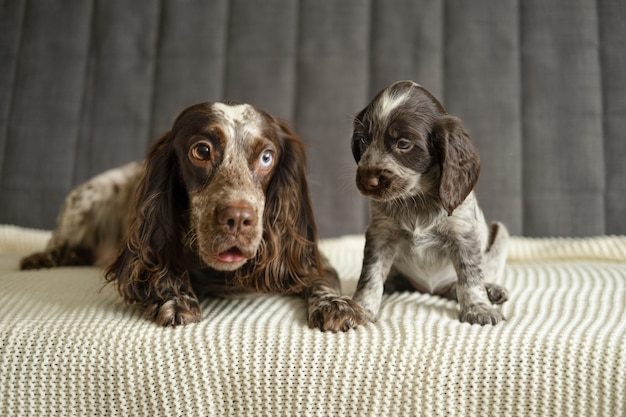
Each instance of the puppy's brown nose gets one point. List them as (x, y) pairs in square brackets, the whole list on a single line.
[(237, 218), (370, 182)]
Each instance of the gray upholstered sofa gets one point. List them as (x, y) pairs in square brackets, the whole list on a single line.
[(541, 86)]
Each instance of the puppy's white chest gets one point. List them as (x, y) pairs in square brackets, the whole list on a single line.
[(425, 263)]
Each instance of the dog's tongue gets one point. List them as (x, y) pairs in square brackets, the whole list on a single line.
[(231, 255)]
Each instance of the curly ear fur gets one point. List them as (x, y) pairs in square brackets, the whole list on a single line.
[(459, 162), (288, 217), (153, 247)]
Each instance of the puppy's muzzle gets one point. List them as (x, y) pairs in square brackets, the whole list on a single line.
[(371, 181)]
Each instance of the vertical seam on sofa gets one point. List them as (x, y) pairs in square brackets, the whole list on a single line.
[(296, 65), (11, 100), (603, 118), (520, 81), (155, 68), (365, 205), (295, 118), (444, 53), (522, 121), (83, 102), (370, 47), (225, 64)]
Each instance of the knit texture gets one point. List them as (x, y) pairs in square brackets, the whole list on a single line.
[(70, 347)]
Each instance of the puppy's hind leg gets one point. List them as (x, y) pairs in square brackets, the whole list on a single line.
[(474, 302), (494, 261), (328, 309)]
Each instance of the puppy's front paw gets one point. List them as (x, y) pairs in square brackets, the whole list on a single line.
[(175, 311), (337, 314), (496, 293), (481, 314)]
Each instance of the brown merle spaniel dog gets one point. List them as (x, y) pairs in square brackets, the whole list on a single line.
[(220, 206)]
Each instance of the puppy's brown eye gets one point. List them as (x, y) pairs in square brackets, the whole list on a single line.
[(361, 142), (201, 151), (404, 144)]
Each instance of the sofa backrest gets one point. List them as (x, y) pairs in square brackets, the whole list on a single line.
[(541, 87)]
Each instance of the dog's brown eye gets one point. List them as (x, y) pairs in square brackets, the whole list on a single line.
[(201, 151), (404, 144)]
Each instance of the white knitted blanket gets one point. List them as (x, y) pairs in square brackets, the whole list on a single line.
[(69, 346)]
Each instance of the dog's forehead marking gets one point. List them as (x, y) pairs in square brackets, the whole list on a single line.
[(242, 124), (390, 99), (240, 119), (380, 112), (388, 102)]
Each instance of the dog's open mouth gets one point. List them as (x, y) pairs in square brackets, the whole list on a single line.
[(233, 254), (227, 256)]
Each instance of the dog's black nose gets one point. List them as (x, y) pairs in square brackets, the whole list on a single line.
[(237, 218)]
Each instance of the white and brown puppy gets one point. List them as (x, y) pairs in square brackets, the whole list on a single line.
[(417, 164)]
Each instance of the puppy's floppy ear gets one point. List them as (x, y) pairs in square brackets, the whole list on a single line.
[(153, 244), (359, 146), (356, 148), (290, 253), (458, 159), (358, 142)]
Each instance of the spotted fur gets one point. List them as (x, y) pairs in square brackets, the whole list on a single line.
[(220, 206), (418, 166)]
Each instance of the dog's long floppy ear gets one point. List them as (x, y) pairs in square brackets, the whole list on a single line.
[(290, 253), (459, 162), (152, 249)]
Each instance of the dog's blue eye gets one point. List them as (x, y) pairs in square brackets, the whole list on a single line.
[(266, 160)]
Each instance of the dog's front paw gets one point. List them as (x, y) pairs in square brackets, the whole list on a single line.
[(481, 314), (337, 314), (175, 311)]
